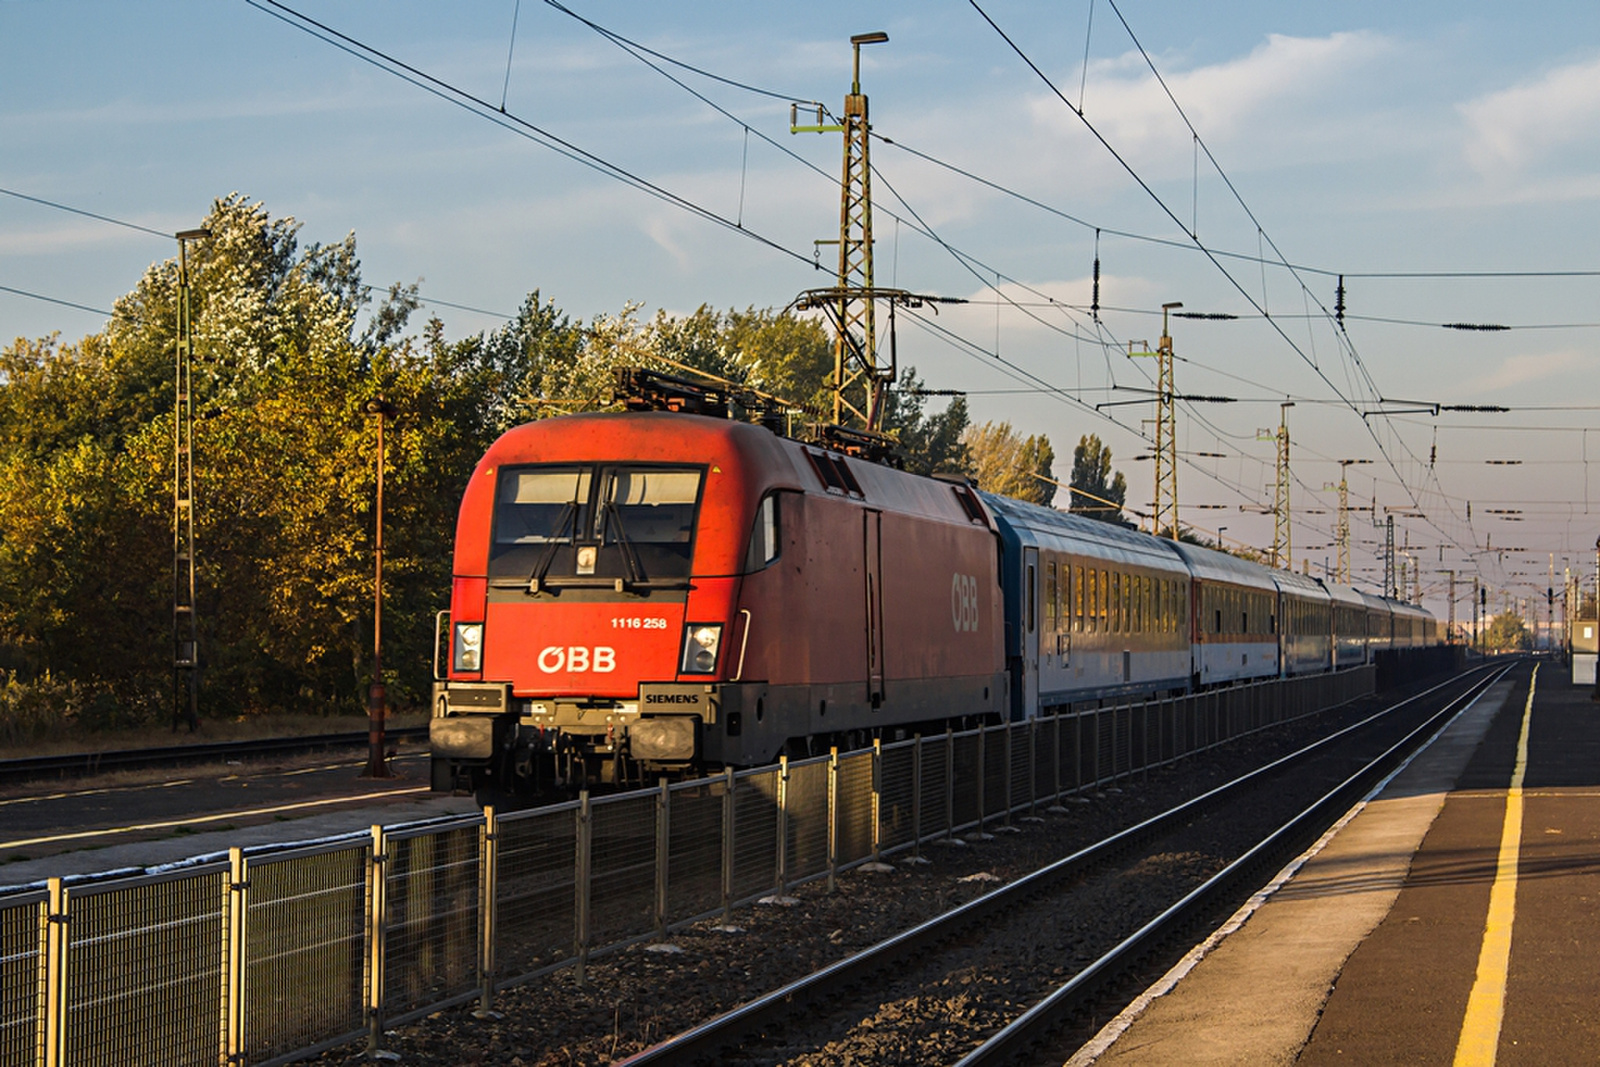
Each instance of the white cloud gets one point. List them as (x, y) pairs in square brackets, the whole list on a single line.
[(1513, 129), (1529, 367), (1272, 93)]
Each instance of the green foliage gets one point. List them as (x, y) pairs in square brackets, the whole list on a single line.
[(288, 350), (1096, 493), (1005, 462), (1507, 633)]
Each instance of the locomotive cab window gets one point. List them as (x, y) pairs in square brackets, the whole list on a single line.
[(594, 525), (765, 543)]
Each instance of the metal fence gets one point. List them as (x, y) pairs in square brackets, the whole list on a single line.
[(273, 955)]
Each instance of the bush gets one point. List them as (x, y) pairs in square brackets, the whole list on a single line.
[(50, 709)]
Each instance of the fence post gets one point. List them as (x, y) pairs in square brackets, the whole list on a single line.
[(983, 786), (877, 799), (1097, 748), (728, 811), (663, 847), (1144, 736), (53, 965), (833, 818), (1033, 765), (1055, 748), (1115, 774), (580, 885), (949, 781), (783, 826), (377, 927), (488, 905), (235, 911), (1009, 777), (916, 798)]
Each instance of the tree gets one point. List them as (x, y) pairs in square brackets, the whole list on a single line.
[(930, 443), (284, 470), (1507, 633), (289, 347), (1003, 461), (1096, 494)]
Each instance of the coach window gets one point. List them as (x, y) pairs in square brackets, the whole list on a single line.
[(1064, 615), (1050, 595), (765, 543), (1077, 598), (1092, 599)]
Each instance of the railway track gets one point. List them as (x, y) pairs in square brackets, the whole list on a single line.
[(1023, 962), (77, 765)]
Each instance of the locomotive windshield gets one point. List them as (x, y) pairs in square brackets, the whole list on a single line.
[(569, 525)]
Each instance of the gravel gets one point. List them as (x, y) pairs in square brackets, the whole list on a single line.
[(641, 995)]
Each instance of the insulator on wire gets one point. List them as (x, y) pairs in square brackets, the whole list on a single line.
[(1338, 303), (1094, 307)]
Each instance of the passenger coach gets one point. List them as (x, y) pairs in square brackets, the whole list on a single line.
[(1103, 610)]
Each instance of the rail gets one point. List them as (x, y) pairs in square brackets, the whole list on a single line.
[(81, 763), (710, 1041), (1271, 852), (270, 954)]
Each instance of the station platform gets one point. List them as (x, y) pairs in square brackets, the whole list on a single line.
[(1427, 927)]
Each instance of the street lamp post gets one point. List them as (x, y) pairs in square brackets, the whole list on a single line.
[(376, 767)]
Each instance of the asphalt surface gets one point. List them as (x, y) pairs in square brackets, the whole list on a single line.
[(145, 819), (1371, 951), (1403, 995)]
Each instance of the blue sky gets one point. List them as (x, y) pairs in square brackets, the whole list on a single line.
[(1361, 138)]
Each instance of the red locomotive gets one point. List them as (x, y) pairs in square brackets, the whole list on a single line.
[(650, 593)]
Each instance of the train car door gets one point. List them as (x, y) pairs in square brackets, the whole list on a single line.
[(873, 544), (1030, 632)]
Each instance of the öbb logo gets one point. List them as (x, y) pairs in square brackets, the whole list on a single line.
[(576, 659), (964, 603)]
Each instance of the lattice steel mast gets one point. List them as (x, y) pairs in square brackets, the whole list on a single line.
[(185, 614), (1165, 511), (1282, 546), (1343, 569), (860, 375)]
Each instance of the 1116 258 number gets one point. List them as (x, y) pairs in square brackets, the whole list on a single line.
[(637, 622)]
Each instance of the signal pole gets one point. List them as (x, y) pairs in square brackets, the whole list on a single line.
[(1165, 518), (185, 615)]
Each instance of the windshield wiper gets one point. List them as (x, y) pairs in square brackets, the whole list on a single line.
[(629, 558), (548, 556)]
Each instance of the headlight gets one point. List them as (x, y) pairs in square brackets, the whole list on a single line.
[(700, 643), (468, 646)]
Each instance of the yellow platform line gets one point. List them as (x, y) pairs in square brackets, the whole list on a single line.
[(1480, 1030)]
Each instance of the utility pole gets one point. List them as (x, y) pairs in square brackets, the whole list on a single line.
[(1282, 548), (1477, 605), (1165, 520), (1388, 557), (1344, 520), (377, 696), (185, 614), (859, 377), (1450, 627)]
